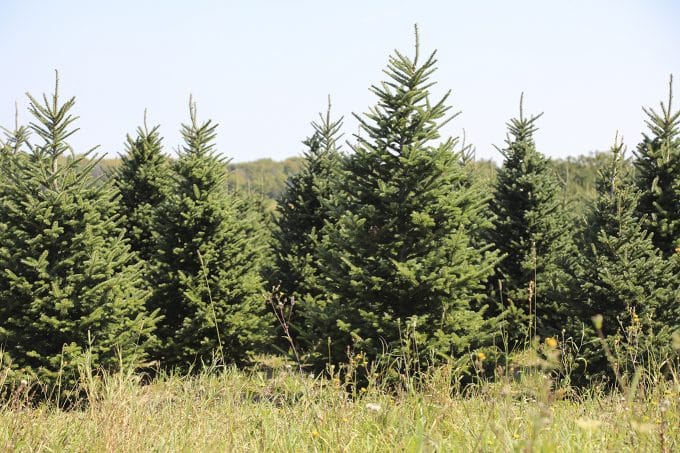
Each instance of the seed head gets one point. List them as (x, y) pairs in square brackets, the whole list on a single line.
[(373, 407)]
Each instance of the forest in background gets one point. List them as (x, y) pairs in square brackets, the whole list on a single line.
[(267, 178)]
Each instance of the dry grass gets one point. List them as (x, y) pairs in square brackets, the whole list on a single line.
[(255, 411)]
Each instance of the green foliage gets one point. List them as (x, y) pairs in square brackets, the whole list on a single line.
[(211, 251), (531, 231), (67, 282), (143, 180), (106, 167), (268, 179), (578, 177), (302, 215), (406, 246), (11, 147), (397, 250), (484, 170), (658, 175), (264, 177), (302, 211), (623, 277), (11, 151), (262, 180)]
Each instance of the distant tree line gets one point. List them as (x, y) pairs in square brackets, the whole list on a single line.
[(394, 239)]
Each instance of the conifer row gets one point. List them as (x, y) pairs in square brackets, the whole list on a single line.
[(393, 247)]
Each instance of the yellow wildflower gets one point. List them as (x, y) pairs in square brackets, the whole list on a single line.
[(481, 356), (551, 342), (597, 321)]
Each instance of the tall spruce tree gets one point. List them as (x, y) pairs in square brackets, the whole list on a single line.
[(658, 175), (623, 277), (143, 180), (396, 253), (302, 210), (67, 281), (303, 213), (530, 230), (211, 252)]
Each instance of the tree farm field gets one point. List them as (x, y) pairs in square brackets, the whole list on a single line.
[(399, 285)]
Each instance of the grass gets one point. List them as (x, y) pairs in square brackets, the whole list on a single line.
[(283, 410)]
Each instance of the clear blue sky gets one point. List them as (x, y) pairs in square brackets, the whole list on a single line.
[(263, 69)]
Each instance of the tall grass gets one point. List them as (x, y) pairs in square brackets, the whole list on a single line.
[(525, 404)]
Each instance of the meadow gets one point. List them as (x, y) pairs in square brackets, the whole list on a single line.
[(274, 407)]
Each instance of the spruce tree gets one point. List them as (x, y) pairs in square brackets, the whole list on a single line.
[(302, 210), (143, 181), (12, 147), (67, 284), (14, 139), (210, 255), (658, 175), (302, 215), (530, 229), (396, 253), (623, 277)]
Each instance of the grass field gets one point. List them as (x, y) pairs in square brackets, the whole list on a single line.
[(282, 410)]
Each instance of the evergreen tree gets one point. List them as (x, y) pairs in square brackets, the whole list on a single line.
[(531, 231), (396, 254), (211, 252), (658, 176), (302, 210), (14, 138), (11, 148), (67, 281), (303, 213), (623, 277), (143, 180)]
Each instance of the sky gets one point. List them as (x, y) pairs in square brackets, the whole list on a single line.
[(263, 69)]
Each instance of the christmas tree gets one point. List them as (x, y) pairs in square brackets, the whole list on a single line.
[(303, 213), (143, 181), (68, 284), (658, 176), (623, 277), (530, 230), (211, 252), (396, 253)]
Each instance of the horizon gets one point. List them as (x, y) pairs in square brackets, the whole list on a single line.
[(263, 70)]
